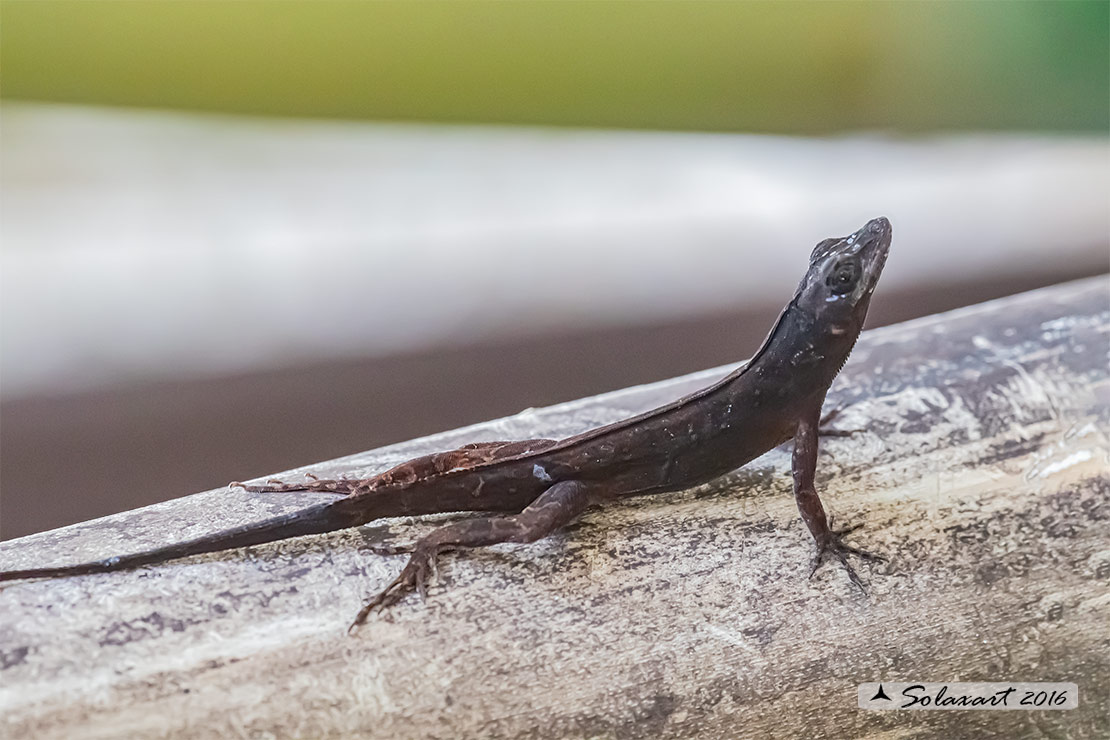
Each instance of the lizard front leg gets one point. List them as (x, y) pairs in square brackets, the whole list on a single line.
[(553, 509), (804, 468)]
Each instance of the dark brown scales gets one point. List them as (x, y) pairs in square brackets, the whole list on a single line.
[(410, 471), (537, 486)]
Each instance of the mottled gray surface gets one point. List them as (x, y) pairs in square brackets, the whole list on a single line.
[(982, 473)]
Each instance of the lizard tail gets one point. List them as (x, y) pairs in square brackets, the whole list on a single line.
[(328, 517)]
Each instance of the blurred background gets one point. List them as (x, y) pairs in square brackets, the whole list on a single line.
[(239, 237)]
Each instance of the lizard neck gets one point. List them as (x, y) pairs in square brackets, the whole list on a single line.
[(803, 352)]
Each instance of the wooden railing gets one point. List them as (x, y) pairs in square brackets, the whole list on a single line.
[(981, 472)]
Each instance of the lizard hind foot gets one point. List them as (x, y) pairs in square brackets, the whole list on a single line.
[(551, 510), (835, 546), (414, 577)]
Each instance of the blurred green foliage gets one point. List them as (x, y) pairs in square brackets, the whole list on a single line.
[(801, 67)]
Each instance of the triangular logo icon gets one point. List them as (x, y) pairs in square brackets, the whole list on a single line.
[(880, 694)]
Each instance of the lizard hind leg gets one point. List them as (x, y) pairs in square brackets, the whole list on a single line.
[(553, 509), (319, 485), (409, 471)]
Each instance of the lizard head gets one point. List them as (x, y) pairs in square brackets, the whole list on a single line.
[(842, 275)]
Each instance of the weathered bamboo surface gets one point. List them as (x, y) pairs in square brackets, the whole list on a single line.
[(982, 472)]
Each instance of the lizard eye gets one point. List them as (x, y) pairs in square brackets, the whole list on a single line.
[(843, 278)]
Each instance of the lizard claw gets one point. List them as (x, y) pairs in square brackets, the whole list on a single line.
[(414, 577), (833, 544)]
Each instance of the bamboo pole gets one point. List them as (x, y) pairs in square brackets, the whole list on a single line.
[(981, 472)]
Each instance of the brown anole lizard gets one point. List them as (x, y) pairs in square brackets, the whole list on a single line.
[(531, 488)]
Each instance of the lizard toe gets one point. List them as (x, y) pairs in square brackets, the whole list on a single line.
[(413, 577), (834, 545)]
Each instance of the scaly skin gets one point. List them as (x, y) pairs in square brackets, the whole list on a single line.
[(534, 487)]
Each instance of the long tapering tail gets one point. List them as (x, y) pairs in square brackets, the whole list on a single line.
[(328, 517)]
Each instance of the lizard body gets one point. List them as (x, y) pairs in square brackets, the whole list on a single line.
[(533, 487)]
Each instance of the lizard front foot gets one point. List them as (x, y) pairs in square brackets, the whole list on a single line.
[(824, 430), (392, 549), (833, 544), (414, 577)]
